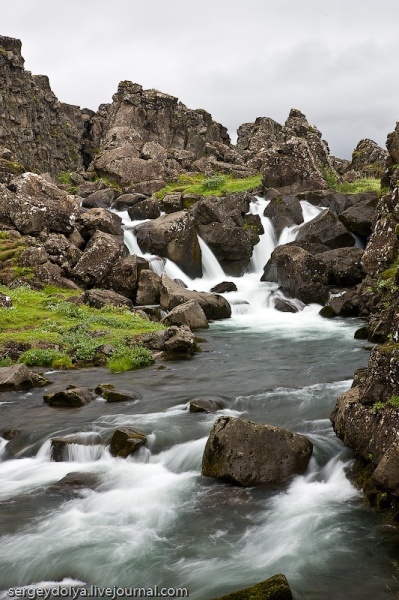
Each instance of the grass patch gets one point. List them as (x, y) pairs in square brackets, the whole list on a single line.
[(218, 185), (358, 186), (64, 177), (125, 358), (62, 334)]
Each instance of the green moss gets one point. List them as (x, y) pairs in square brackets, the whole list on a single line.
[(218, 185), (48, 323), (356, 187), (377, 406), (393, 401)]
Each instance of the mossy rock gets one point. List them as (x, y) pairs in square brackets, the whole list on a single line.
[(274, 588)]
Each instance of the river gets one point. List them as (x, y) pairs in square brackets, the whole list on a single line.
[(153, 519)]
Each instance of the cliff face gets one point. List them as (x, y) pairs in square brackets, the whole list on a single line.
[(43, 133), (366, 417)]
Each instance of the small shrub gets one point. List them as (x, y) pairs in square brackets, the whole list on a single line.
[(38, 357), (214, 183), (125, 358), (6, 362), (394, 401), (83, 347), (377, 406)]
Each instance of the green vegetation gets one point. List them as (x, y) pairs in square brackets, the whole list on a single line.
[(64, 177), (356, 187), (377, 406), (218, 185), (62, 334), (393, 401)]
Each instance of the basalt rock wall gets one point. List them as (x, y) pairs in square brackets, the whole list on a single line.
[(43, 133)]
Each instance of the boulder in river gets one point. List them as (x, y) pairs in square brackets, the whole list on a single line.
[(73, 482), (16, 377), (326, 229), (274, 588), (251, 454), (126, 441), (344, 266), (284, 211), (298, 273), (207, 405), (172, 294), (72, 397), (189, 313)]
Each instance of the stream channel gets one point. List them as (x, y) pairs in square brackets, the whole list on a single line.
[(153, 519)]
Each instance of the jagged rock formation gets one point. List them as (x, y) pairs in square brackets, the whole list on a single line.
[(292, 158), (366, 417), (44, 133), (369, 159), (150, 137)]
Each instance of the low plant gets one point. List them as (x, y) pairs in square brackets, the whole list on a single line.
[(217, 185), (38, 357), (125, 358)]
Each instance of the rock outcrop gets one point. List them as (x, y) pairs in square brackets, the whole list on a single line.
[(250, 454), (45, 134), (274, 588), (366, 417), (369, 159)]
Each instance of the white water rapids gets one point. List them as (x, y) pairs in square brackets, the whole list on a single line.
[(152, 518)]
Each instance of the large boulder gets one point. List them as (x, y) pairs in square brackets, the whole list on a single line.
[(343, 266), (298, 273), (146, 209), (274, 588), (189, 313), (72, 397), (251, 454), (284, 211), (16, 377), (173, 236), (359, 219), (102, 298), (100, 254), (98, 219), (34, 205), (326, 229), (369, 159), (148, 289), (291, 167), (126, 441), (172, 294), (179, 340), (124, 276)]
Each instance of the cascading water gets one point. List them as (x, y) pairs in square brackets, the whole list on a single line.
[(152, 519)]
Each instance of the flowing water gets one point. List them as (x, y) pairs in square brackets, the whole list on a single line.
[(152, 518)]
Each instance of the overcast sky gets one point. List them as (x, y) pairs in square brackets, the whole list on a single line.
[(335, 60)]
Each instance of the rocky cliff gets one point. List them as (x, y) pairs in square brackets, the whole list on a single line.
[(44, 133), (366, 417)]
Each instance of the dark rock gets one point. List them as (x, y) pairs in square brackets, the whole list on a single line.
[(189, 313), (126, 441), (34, 205), (326, 229), (206, 405), (172, 203), (101, 298), (100, 254), (283, 305), (5, 301), (298, 273), (73, 482), (180, 340), (117, 395), (124, 275), (224, 287), (149, 288), (343, 266), (174, 237), (38, 379), (214, 306), (344, 305), (70, 398), (369, 159), (362, 333), (284, 211), (274, 588), (359, 218), (10, 434), (248, 454), (98, 219), (16, 377), (99, 199), (126, 200), (146, 209)]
